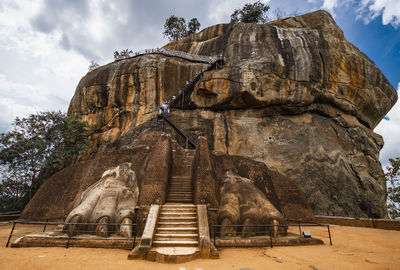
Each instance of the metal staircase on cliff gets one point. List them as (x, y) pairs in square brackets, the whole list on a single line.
[(183, 101)]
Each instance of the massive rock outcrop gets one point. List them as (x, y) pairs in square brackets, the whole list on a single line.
[(293, 94)]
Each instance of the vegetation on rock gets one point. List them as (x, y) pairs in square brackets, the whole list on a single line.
[(393, 180), (93, 65), (35, 148), (175, 28), (251, 13), (122, 54)]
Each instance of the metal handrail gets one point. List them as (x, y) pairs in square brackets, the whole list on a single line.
[(179, 131), (175, 53), (183, 98)]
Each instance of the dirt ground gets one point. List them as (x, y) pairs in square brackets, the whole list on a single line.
[(353, 248)]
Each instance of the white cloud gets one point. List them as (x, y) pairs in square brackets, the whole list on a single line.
[(389, 9), (330, 5), (390, 130), (20, 99), (36, 74)]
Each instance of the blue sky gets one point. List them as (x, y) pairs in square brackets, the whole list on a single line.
[(46, 45)]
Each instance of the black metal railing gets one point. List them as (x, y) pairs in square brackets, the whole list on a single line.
[(6, 216), (164, 118), (25, 228), (183, 99), (260, 230)]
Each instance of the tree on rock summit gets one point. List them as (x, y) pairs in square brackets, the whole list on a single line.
[(251, 13), (175, 28)]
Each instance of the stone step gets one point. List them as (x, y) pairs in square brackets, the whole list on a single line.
[(176, 224), (177, 235), (184, 198), (179, 209), (169, 213), (178, 205), (180, 181), (174, 190), (178, 196), (189, 238), (179, 200), (170, 219), (177, 230), (175, 243), (182, 177), (181, 186)]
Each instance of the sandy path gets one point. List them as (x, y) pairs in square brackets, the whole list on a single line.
[(354, 248)]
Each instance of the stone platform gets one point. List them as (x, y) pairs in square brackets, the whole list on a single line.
[(173, 254), (52, 239), (266, 242)]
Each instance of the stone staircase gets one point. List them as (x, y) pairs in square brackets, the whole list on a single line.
[(177, 226), (177, 220), (176, 231), (180, 186)]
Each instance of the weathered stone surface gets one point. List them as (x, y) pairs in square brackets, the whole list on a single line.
[(335, 160), (290, 66), (57, 196), (293, 94), (125, 94)]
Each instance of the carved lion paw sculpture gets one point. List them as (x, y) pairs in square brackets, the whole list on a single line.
[(242, 203), (111, 200)]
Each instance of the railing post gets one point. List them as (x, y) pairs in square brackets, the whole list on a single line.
[(45, 225), (12, 230), (187, 143), (69, 239), (330, 238), (214, 232), (300, 228), (134, 237), (270, 235)]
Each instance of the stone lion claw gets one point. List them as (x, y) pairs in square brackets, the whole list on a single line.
[(110, 202)]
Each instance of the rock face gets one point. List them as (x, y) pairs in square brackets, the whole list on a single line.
[(243, 191), (293, 94)]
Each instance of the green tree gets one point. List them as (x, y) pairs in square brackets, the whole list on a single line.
[(35, 148), (175, 28), (251, 13), (122, 54), (93, 65), (193, 26), (393, 183)]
